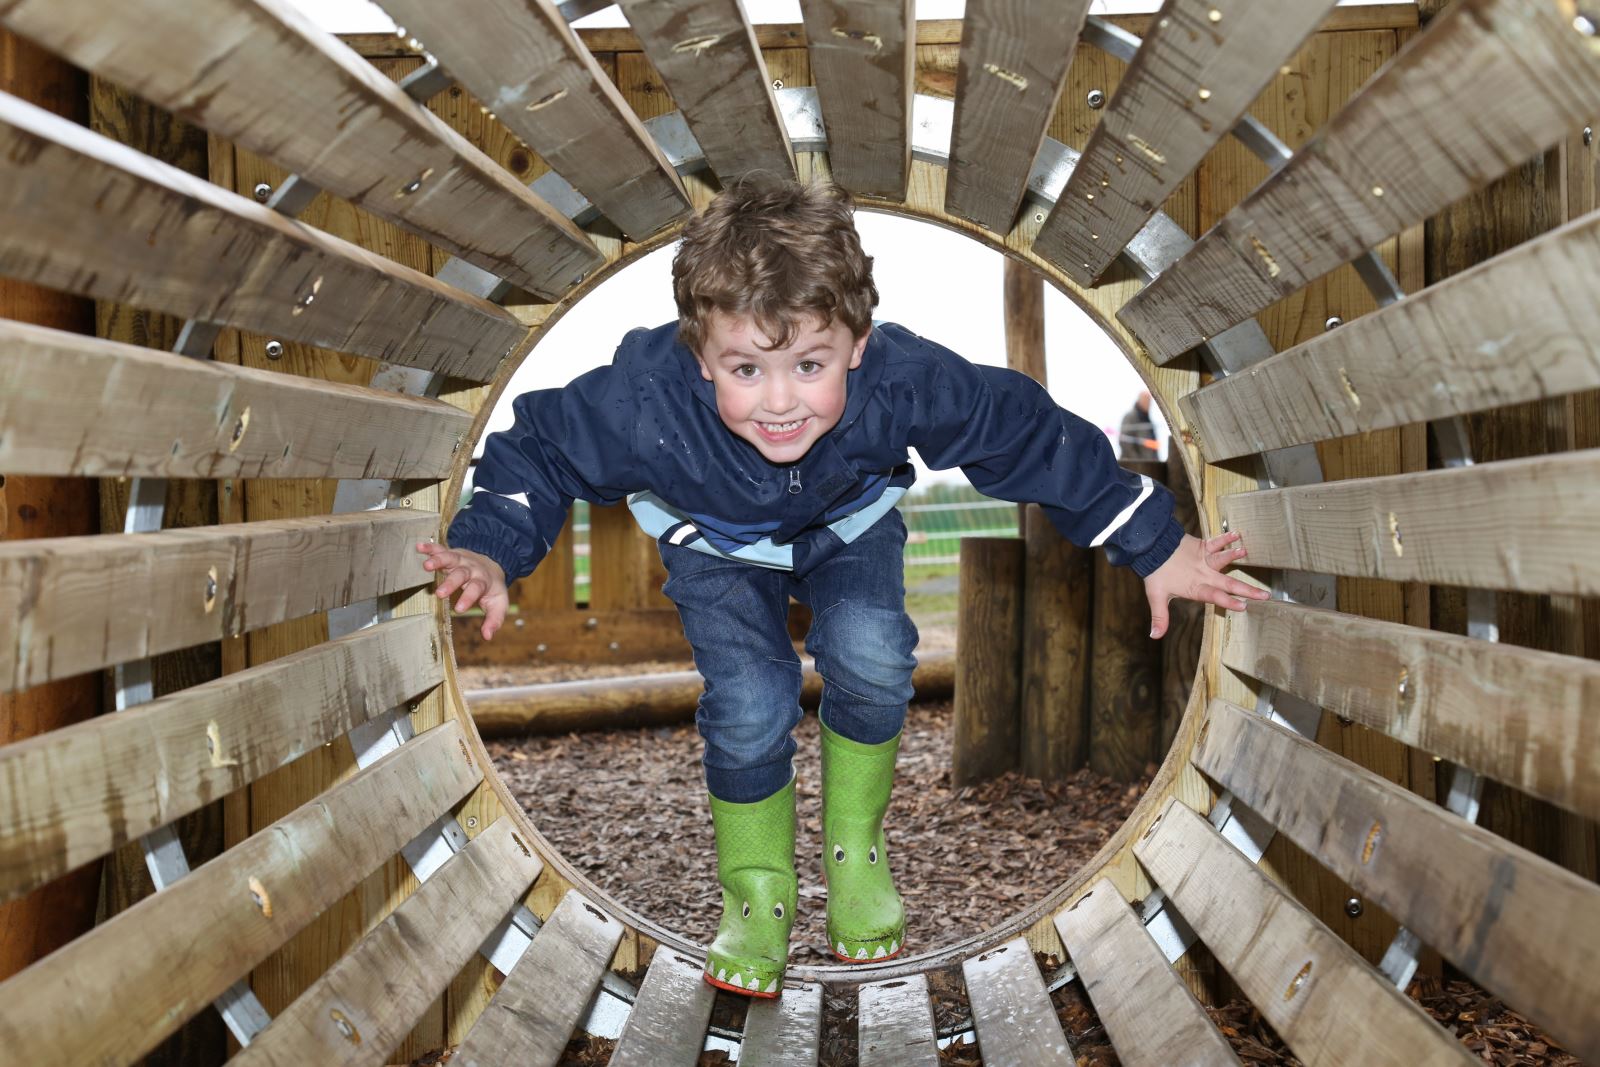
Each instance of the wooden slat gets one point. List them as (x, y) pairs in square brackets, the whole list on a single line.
[(87, 215), (360, 1010), (1486, 85), (1523, 524), (76, 405), (81, 603), (1014, 58), (72, 795), (522, 61), (261, 74), (706, 54), (135, 979), (862, 59), (894, 1021), (1322, 998), (1514, 922), (1011, 1010), (786, 1032), (1201, 65), (1438, 692), (667, 1027), (533, 1015), (1518, 327), (1150, 1015)]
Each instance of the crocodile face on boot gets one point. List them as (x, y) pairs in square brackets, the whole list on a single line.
[(752, 945), (866, 920)]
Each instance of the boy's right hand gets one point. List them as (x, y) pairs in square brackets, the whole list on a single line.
[(479, 578)]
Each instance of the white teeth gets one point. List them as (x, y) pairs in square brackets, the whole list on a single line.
[(772, 986), (861, 953), (737, 979), (781, 427), (722, 974), (844, 951), (882, 952), (894, 946)]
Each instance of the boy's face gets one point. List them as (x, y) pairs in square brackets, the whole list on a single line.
[(782, 400)]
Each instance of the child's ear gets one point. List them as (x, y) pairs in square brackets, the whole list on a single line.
[(705, 371), (861, 346)]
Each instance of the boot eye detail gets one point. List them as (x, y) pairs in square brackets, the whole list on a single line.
[(872, 854), (838, 853), (777, 911), (747, 909)]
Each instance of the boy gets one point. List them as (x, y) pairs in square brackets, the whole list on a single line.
[(762, 439)]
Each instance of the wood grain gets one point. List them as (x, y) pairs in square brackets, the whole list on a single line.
[(786, 1032), (1057, 594), (895, 1024), (1011, 1010), (862, 57), (986, 724), (667, 1027)]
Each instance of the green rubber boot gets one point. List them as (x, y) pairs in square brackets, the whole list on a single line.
[(755, 864), (866, 921)]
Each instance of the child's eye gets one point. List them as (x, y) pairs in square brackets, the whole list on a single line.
[(809, 366), (745, 370)]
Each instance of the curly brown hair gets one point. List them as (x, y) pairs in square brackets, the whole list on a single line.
[(778, 251)]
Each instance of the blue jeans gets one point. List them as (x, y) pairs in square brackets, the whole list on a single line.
[(735, 616)]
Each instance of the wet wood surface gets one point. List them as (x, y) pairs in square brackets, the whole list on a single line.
[(785, 1032), (896, 1024), (862, 57), (667, 1027), (1011, 1009)]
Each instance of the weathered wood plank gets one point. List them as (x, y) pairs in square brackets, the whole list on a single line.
[(260, 73), (894, 1022), (533, 1015), (361, 1009), (1057, 609), (1486, 85), (1014, 58), (706, 54), (82, 603), (85, 214), (786, 1032), (1518, 924), (1152, 1018), (985, 726), (1523, 524), (1011, 1010), (1308, 985), (1518, 327), (135, 979), (862, 59), (520, 58), (76, 793), (1201, 65), (1438, 692), (76, 405), (667, 1027)]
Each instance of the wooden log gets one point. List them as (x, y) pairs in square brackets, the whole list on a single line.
[(135, 979), (1518, 327), (986, 723), (1186, 620), (894, 1023), (1125, 670), (89, 602), (1058, 589), (542, 999), (1149, 1014), (78, 792), (1199, 68), (77, 405), (1307, 984), (87, 215), (410, 956), (263, 75), (1011, 1010), (786, 1032), (1486, 85), (520, 58), (705, 52), (644, 700), (667, 1027), (862, 60), (36, 925), (1014, 59), (1521, 524)]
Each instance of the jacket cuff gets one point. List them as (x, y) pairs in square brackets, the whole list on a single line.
[(505, 553), (1146, 562)]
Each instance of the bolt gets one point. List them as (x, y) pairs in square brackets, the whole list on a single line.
[(777, 83), (591, 622), (274, 349), (1333, 323), (1588, 136), (211, 586), (1353, 907), (614, 646), (263, 191), (472, 821), (1096, 99), (406, 503), (542, 648), (520, 623), (1038, 216), (1584, 24)]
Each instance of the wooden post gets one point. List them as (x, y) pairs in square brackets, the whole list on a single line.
[(1180, 648), (1058, 585), (37, 924), (988, 659), (1125, 679)]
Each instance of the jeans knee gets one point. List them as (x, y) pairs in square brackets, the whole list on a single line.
[(866, 650), (748, 720)]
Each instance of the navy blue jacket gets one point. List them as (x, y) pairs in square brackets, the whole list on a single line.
[(649, 422)]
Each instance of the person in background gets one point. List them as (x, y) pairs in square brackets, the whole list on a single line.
[(1138, 437)]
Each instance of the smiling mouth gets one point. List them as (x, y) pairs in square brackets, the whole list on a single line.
[(782, 431)]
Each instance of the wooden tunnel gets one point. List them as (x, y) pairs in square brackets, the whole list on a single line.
[(314, 265)]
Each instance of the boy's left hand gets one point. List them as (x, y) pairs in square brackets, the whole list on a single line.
[(1193, 573)]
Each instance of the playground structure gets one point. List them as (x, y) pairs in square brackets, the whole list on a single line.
[(270, 637)]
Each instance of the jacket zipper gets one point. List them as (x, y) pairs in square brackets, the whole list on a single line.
[(794, 481)]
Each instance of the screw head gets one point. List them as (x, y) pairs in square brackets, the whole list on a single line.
[(262, 191), (1588, 136), (777, 83), (1333, 323), (1585, 24), (1096, 99), (542, 648), (591, 622), (614, 646), (1353, 907), (274, 349)]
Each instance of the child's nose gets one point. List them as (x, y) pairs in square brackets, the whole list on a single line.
[(780, 397)]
